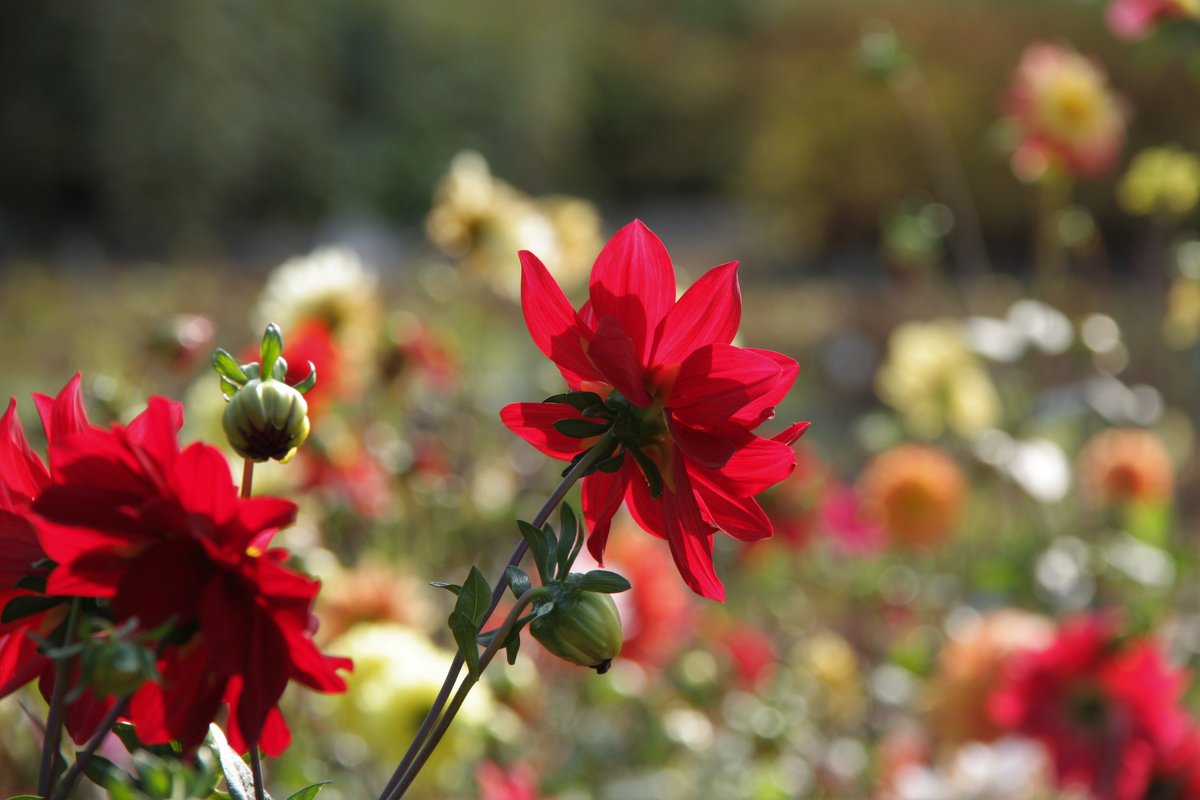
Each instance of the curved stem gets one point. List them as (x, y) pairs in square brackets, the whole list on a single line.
[(76, 770), (460, 696), (54, 719), (435, 712)]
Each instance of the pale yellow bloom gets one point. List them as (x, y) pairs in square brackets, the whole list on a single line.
[(935, 382), (1161, 179)]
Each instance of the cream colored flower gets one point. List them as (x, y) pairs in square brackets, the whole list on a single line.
[(935, 382), (1161, 179), (482, 222)]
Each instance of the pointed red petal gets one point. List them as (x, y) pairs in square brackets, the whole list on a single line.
[(534, 422), (156, 429), (791, 433), (755, 466), (762, 407), (634, 282), (64, 414), (740, 517), (552, 321), (708, 448), (717, 381), (601, 497), (708, 313), (612, 351), (20, 467), (690, 538), (646, 511), (201, 481)]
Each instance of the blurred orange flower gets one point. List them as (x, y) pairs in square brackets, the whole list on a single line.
[(914, 492), (1119, 465)]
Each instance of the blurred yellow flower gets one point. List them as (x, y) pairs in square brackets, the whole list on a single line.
[(1161, 179), (829, 659), (914, 492), (935, 382), (1121, 465), (397, 674), (481, 222), (1181, 325)]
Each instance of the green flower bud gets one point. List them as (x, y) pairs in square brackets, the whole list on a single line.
[(266, 419), (583, 628), (117, 668)]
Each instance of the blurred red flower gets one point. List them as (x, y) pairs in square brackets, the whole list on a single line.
[(693, 397), (1098, 702), (515, 783), (164, 536)]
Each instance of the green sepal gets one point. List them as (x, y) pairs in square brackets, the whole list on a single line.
[(271, 348), (252, 370), (650, 470), (102, 772), (309, 792), (465, 633), (304, 387), (27, 606), (611, 464), (568, 532), (581, 428), (602, 581), (228, 368), (32, 583), (580, 401), (539, 543), (450, 587), (279, 371), (518, 580), (513, 646), (228, 387)]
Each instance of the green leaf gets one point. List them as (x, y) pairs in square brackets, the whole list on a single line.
[(32, 583), (539, 544), (580, 401), (271, 349), (450, 587), (518, 581), (650, 470), (304, 386), (603, 581), (100, 771), (309, 792), (464, 631), (568, 530), (238, 777), (474, 598), (612, 464), (27, 606), (128, 736), (228, 368), (513, 646), (581, 428)]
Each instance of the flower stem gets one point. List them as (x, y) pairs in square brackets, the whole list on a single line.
[(102, 730), (461, 695), (435, 712), (54, 718), (260, 791)]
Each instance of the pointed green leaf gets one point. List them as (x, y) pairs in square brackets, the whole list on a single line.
[(518, 581), (539, 544), (238, 777), (650, 470), (228, 387), (513, 646), (102, 772), (474, 598), (581, 428), (568, 530), (450, 587), (309, 792), (306, 385), (27, 606), (228, 368), (580, 401), (611, 465), (601, 580), (271, 349), (464, 636), (279, 371)]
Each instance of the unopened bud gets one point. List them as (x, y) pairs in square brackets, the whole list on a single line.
[(266, 419), (583, 628)]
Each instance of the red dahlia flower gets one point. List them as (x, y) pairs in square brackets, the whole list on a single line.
[(680, 399), (23, 476), (1100, 704), (165, 537)]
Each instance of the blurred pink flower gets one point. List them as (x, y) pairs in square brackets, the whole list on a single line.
[(515, 783), (851, 531), (1064, 113), (1136, 19)]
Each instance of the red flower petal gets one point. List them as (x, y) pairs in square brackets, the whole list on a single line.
[(762, 407), (755, 466), (600, 497), (718, 380), (708, 448), (20, 468), (64, 414), (552, 321), (633, 281), (708, 313), (612, 351), (690, 538), (534, 422), (791, 433), (740, 517)]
